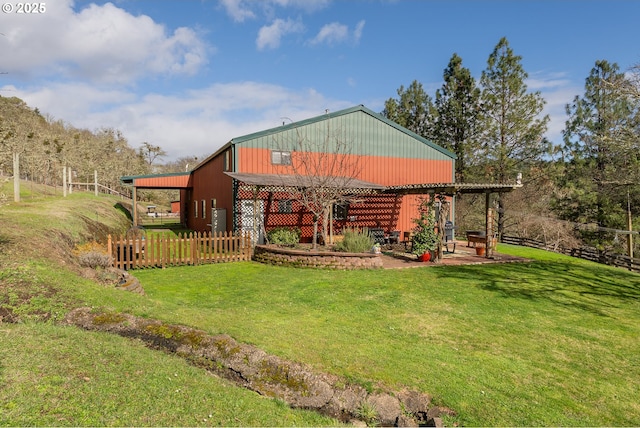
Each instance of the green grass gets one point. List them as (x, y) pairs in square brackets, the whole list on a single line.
[(553, 341), (550, 342), (55, 376)]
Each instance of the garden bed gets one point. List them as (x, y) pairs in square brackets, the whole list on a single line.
[(318, 259)]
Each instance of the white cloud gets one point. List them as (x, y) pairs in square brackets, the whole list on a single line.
[(103, 44), (242, 10), (239, 10), (557, 91), (336, 33), (271, 35), (195, 123)]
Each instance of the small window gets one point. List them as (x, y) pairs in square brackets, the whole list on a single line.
[(285, 207), (195, 209), (204, 209), (227, 160), (280, 157), (340, 211)]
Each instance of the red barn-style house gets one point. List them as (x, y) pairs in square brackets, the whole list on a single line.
[(255, 182)]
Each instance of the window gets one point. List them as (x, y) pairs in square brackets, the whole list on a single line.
[(280, 157), (285, 207), (204, 209), (340, 211), (227, 160), (195, 209)]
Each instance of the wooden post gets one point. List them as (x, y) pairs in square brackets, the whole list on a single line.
[(95, 182), (488, 225), (629, 227), (70, 181), (64, 181), (16, 177), (134, 211)]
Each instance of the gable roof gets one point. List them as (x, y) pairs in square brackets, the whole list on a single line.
[(359, 108), (320, 118)]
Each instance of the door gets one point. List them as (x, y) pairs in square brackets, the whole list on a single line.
[(252, 219)]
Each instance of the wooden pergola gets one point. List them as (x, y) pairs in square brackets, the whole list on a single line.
[(453, 189)]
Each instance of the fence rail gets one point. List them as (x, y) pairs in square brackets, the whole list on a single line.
[(183, 249), (587, 253)]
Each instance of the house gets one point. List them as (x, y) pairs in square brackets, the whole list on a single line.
[(247, 184), (255, 182)]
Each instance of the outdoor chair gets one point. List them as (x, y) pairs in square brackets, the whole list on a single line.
[(449, 237), (378, 236)]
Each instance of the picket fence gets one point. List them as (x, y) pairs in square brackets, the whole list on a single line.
[(183, 249)]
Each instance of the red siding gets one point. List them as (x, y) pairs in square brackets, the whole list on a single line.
[(209, 182), (376, 169)]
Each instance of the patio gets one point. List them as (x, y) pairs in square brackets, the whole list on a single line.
[(398, 258)]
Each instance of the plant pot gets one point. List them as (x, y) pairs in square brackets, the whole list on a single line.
[(480, 251), (425, 257)]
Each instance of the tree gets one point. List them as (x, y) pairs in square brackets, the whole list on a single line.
[(321, 171), (601, 143), (413, 109), (512, 129), (150, 153), (457, 122)]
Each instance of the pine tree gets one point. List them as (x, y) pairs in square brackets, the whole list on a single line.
[(456, 123), (601, 143), (513, 129), (413, 109)]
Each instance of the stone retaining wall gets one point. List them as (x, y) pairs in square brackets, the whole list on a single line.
[(316, 259)]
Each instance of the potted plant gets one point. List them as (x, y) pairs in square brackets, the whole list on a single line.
[(425, 239)]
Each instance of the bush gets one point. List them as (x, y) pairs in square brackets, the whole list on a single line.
[(284, 236), (95, 259), (93, 255), (355, 241)]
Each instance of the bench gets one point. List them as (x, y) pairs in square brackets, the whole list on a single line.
[(476, 237)]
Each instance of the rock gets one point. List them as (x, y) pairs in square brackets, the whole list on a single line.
[(387, 407)]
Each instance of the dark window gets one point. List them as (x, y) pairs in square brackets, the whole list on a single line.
[(340, 211), (285, 207), (280, 157)]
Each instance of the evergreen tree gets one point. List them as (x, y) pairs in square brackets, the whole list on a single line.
[(413, 109), (456, 122), (512, 134), (602, 146)]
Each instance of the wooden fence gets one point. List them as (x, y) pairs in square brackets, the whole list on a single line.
[(183, 249), (587, 253)]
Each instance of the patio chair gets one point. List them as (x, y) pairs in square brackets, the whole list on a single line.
[(378, 236), (449, 237)]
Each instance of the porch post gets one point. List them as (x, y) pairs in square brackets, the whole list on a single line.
[(487, 225)]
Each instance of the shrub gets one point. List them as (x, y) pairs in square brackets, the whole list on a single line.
[(93, 255), (355, 241), (284, 236), (95, 259)]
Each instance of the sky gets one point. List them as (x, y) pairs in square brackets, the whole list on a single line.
[(190, 75)]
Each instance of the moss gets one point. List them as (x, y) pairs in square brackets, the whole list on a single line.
[(108, 318), (281, 375), (226, 347)]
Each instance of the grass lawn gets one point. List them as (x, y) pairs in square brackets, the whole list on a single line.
[(551, 342)]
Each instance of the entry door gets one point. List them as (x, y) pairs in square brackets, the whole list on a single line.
[(251, 222)]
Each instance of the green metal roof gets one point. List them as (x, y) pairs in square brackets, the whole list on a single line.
[(337, 114)]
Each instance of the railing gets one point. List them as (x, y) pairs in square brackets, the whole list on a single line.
[(183, 249), (591, 254)]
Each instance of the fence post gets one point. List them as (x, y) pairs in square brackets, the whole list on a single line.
[(110, 249)]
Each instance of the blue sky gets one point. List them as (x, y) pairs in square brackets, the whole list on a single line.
[(189, 75)]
